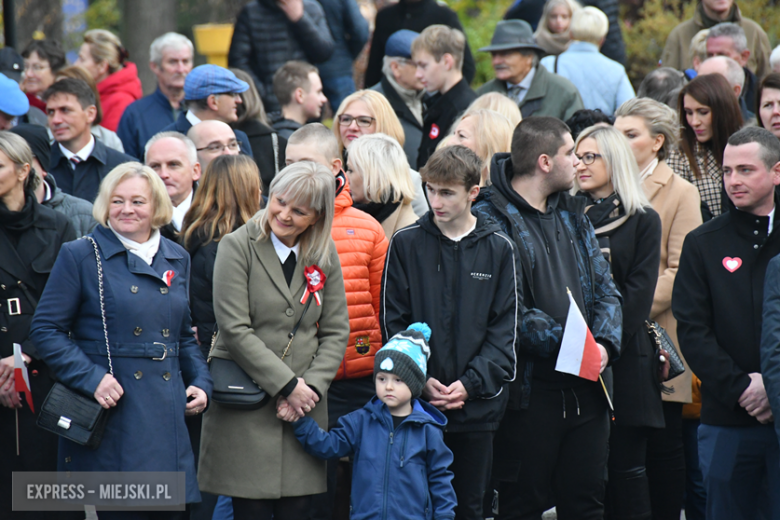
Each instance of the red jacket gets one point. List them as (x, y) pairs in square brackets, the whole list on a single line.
[(116, 92), (361, 245)]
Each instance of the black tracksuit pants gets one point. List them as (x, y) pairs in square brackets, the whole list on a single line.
[(554, 454)]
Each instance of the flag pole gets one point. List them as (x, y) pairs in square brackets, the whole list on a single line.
[(609, 401)]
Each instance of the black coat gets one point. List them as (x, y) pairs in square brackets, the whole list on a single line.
[(412, 127), (440, 113), (718, 307), (466, 292), (84, 181), (415, 16), (24, 271), (261, 139), (635, 253), (264, 39), (201, 290)]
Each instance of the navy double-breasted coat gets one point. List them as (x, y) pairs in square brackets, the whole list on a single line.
[(146, 317)]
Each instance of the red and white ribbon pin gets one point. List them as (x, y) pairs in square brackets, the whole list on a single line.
[(315, 281)]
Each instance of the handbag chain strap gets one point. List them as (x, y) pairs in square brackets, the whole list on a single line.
[(102, 305)]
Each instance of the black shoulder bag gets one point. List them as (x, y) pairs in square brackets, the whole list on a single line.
[(71, 414), (233, 388)]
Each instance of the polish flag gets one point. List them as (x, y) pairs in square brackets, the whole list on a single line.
[(579, 354), (21, 379)]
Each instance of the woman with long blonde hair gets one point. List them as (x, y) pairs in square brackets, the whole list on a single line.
[(484, 132)]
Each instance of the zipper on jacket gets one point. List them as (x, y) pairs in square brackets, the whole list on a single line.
[(403, 447), (456, 316), (387, 476)]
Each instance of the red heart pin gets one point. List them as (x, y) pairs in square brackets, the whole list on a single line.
[(732, 264)]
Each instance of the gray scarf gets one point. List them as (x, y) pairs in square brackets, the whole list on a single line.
[(411, 97)]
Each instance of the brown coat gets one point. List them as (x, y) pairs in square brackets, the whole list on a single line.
[(402, 216), (677, 49), (252, 454), (677, 202)]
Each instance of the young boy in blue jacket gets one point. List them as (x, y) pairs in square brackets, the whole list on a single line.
[(401, 470)]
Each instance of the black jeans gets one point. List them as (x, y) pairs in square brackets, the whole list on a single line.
[(557, 449), (666, 465), (285, 508), (628, 490), (472, 458)]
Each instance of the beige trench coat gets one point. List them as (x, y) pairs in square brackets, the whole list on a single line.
[(678, 204), (400, 218), (252, 454)]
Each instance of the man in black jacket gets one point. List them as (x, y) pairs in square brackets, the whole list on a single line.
[(438, 53), (78, 162), (458, 273), (717, 301), (269, 33), (555, 431), (414, 15)]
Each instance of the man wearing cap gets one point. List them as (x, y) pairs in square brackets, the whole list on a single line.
[(170, 58), (519, 75), (403, 90), (212, 92), (78, 211), (78, 161)]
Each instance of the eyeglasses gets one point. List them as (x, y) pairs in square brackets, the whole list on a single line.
[(362, 121), (588, 158), (36, 67), (233, 146)]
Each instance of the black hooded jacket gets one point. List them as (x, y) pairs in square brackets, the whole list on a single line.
[(466, 292)]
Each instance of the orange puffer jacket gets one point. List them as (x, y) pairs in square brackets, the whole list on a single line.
[(362, 245)]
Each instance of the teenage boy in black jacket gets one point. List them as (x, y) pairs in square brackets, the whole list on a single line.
[(554, 435), (717, 300), (438, 53), (457, 272)]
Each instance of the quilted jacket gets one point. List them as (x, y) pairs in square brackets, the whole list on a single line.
[(361, 245)]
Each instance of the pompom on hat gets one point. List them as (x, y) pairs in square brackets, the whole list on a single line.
[(406, 355)]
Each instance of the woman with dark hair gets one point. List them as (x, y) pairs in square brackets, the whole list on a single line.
[(30, 239), (267, 146), (42, 60), (768, 103), (108, 137), (709, 113)]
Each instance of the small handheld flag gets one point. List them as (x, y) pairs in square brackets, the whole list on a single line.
[(21, 379), (579, 354)]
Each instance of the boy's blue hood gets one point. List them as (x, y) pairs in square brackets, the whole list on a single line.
[(422, 412)]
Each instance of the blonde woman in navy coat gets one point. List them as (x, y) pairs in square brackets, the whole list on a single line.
[(157, 363)]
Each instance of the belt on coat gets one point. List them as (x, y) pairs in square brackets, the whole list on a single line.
[(157, 351)]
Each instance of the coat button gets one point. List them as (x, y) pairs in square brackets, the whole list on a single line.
[(289, 312), (755, 232), (138, 331), (2, 286), (755, 246), (167, 376), (164, 290), (67, 459), (138, 375), (166, 333), (3, 329), (133, 289)]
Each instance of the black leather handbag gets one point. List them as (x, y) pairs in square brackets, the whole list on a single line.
[(71, 414), (233, 388), (662, 341)]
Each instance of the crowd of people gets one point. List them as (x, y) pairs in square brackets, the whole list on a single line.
[(395, 287)]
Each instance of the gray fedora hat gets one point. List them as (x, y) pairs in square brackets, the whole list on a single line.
[(512, 35)]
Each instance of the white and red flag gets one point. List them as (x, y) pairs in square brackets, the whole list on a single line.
[(579, 354), (21, 379)]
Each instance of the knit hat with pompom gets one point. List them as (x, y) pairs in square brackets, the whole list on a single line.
[(406, 355)]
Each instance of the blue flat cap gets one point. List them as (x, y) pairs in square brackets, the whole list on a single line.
[(399, 45), (12, 100), (206, 80)]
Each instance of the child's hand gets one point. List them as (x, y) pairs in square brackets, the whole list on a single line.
[(285, 412)]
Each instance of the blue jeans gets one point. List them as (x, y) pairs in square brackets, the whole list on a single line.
[(336, 89), (695, 495), (224, 509), (741, 469)]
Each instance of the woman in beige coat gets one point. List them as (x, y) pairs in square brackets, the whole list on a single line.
[(650, 127), (259, 283), (380, 182)]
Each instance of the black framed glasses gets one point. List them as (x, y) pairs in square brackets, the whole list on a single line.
[(588, 158), (233, 146), (362, 121)]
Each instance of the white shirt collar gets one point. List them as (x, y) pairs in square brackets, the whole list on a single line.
[(771, 220), (649, 169), (192, 118), (467, 233), (525, 84), (47, 194), (181, 210), (282, 251), (82, 154)]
